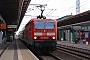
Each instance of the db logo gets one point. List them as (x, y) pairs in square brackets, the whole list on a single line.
[(44, 34)]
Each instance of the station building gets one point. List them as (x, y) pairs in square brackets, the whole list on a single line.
[(74, 33)]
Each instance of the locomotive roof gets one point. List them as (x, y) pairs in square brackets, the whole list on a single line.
[(42, 19), (35, 19)]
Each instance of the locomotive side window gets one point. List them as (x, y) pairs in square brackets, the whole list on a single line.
[(49, 25), (39, 25)]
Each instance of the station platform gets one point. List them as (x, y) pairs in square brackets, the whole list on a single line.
[(16, 51), (79, 47)]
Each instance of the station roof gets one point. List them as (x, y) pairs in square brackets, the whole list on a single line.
[(82, 17), (64, 17), (13, 11)]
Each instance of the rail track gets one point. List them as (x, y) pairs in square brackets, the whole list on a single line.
[(48, 56), (73, 52), (42, 55), (63, 53)]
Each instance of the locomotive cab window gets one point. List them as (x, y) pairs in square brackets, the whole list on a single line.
[(44, 25), (39, 25), (49, 25)]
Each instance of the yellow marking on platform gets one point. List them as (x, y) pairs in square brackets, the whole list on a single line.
[(7, 48)]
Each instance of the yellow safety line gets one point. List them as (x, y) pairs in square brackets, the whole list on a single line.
[(7, 48)]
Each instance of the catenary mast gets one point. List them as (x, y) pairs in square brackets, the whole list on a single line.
[(77, 6)]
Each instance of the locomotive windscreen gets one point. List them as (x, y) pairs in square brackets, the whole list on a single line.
[(44, 25)]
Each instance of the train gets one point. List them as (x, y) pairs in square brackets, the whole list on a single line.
[(41, 34)]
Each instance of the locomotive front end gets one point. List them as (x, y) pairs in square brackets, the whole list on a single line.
[(45, 34)]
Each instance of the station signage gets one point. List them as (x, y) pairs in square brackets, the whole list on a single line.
[(10, 30), (76, 27), (2, 26), (11, 26)]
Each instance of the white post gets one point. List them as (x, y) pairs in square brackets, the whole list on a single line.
[(1, 34), (71, 37)]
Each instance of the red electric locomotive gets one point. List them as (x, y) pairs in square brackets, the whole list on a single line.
[(41, 33)]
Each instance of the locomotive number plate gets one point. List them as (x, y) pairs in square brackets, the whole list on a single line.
[(45, 37)]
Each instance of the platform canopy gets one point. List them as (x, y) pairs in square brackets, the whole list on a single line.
[(13, 11), (82, 19)]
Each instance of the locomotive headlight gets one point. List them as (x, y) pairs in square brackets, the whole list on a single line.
[(53, 37), (35, 37)]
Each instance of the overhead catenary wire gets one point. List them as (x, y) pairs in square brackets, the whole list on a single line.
[(68, 10), (72, 9), (62, 12), (47, 1), (30, 9), (60, 5), (63, 3), (53, 9)]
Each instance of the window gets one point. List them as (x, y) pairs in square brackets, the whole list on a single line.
[(44, 25), (39, 25), (49, 25)]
